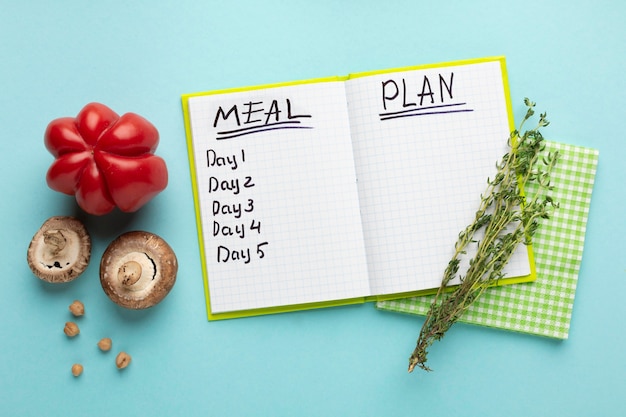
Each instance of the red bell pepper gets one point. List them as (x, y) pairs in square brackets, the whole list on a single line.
[(105, 160)]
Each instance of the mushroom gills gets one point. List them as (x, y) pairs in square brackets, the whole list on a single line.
[(138, 269), (60, 250)]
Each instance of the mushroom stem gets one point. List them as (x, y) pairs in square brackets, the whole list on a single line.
[(129, 273), (55, 241)]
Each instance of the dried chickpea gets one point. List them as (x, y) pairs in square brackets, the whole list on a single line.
[(77, 308), (122, 360), (71, 329), (105, 344), (77, 369)]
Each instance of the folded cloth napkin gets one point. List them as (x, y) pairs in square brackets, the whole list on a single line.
[(543, 307)]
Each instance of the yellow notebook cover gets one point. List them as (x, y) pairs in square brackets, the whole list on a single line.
[(343, 190)]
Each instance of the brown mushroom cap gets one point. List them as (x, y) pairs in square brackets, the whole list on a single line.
[(138, 269), (60, 250)]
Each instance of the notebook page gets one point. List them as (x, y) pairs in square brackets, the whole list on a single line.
[(277, 194), (425, 142)]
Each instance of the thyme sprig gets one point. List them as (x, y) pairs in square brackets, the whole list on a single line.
[(505, 218)]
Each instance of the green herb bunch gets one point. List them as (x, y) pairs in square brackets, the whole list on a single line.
[(505, 218)]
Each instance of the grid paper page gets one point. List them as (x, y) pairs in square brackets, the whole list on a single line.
[(425, 142), (278, 197), (543, 307)]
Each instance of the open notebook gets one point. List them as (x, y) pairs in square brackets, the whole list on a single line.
[(345, 189)]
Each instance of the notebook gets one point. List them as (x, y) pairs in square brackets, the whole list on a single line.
[(543, 307), (346, 189)]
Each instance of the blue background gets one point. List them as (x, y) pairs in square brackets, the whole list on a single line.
[(141, 56)]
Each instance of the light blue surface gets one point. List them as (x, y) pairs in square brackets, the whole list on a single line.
[(350, 361)]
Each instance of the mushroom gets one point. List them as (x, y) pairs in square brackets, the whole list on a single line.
[(138, 269), (60, 250)]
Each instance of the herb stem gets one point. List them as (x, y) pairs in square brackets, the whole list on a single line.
[(506, 218)]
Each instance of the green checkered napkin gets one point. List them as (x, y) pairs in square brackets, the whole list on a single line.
[(543, 307)]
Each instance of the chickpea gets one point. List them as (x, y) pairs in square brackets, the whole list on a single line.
[(77, 308), (105, 344), (122, 360), (77, 369), (71, 329)]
